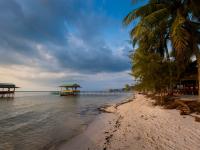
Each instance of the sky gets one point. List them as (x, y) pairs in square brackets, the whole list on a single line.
[(45, 43)]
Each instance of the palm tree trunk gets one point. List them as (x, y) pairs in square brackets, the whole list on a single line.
[(198, 65)]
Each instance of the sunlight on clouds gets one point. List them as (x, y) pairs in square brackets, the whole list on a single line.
[(29, 78), (21, 71)]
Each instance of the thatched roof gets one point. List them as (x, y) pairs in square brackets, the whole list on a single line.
[(70, 85), (7, 85)]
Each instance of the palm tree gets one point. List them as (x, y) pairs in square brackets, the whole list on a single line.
[(168, 21)]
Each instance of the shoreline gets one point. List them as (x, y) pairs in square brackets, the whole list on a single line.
[(111, 108), (105, 112), (135, 125), (100, 110)]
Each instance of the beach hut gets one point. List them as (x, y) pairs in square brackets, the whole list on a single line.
[(7, 90), (188, 83), (69, 89)]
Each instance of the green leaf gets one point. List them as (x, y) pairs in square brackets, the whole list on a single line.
[(156, 16)]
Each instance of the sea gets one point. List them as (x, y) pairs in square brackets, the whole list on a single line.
[(42, 120)]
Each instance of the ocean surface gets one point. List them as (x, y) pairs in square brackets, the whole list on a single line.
[(40, 120)]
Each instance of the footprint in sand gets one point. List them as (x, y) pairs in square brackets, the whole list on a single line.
[(138, 138)]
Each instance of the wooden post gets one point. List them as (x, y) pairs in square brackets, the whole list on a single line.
[(13, 92), (2, 94), (8, 92)]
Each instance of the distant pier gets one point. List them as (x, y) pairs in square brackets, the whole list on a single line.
[(7, 90), (102, 93)]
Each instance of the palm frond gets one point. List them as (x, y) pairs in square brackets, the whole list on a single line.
[(181, 39), (129, 18), (142, 12), (138, 31), (148, 9), (156, 16)]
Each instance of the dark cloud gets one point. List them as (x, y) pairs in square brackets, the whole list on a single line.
[(93, 59), (67, 32)]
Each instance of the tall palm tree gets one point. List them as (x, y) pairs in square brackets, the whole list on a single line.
[(163, 21)]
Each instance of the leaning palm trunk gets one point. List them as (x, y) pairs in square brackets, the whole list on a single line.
[(198, 64)]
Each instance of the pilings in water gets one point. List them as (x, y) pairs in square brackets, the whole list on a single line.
[(7, 94)]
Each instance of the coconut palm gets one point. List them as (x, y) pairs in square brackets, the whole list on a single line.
[(168, 21)]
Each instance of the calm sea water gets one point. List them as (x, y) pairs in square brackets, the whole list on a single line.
[(39, 120)]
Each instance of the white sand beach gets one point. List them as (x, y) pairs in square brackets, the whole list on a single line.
[(138, 125)]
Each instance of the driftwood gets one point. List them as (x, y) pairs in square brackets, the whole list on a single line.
[(186, 107)]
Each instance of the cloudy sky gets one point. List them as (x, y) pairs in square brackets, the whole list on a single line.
[(44, 43)]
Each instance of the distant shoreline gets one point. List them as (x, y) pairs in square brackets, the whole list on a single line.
[(36, 91)]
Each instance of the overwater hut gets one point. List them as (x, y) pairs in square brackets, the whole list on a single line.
[(7, 90), (69, 89)]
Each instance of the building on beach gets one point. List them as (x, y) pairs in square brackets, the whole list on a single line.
[(7, 90), (188, 84), (69, 89)]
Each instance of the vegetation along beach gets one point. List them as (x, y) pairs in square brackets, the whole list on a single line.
[(100, 75)]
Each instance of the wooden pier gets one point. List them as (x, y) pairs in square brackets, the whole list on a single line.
[(7, 90), (102, 93)]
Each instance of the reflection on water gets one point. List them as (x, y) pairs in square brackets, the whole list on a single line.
[(40, 120)]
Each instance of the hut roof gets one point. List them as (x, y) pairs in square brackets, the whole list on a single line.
[(70, 85), (7, 85)]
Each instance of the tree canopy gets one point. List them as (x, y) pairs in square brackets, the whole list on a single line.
[(164, 29)]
